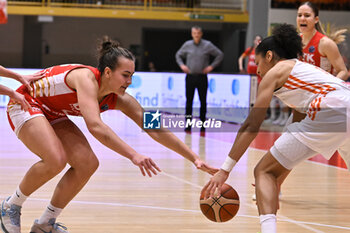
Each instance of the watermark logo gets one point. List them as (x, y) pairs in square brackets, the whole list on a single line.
[(152, 120), (176, 122)]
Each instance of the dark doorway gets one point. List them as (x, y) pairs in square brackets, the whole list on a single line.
[(161, 45)]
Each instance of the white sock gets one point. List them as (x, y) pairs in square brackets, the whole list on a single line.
[(49, 213), (268, 223), (17, 198)]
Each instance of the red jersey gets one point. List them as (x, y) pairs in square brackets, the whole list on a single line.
[(252, 67), (55, 98), (313, 56)]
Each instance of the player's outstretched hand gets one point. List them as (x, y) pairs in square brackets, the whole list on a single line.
[(146, 165), (26, 79), (200, 164), (214, 183), (20, 99)]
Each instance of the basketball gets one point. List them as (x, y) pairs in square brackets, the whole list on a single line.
[(223, 208)]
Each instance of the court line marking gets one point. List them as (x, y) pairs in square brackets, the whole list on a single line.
[(182, 210), (280, 217)]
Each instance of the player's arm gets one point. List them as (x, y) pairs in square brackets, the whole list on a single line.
[(240, 62), (130, 107), (330, 49), (249, 129), (24, 79), (179, 56), (84, 82), (15, 96)]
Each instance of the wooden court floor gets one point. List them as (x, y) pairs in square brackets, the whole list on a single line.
[(119, 199)]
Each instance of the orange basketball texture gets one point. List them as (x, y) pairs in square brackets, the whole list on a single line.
[(223, 208)]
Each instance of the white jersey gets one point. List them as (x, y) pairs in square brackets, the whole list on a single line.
[(326, 101), (305, 87)]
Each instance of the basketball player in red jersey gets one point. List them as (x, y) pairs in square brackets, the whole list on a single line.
[(319, 49), (24, 79), (82, 91), (250, 53)]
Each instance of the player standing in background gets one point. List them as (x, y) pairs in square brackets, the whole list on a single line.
[(250, 53), (318, 49), (194, 59)]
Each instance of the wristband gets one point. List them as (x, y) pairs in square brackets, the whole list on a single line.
[(228, 164)]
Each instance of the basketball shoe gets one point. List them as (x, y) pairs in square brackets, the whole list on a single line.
[(50, 227), (10, 217)]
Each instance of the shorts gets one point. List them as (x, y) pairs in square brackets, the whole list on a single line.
[(324, 132), (17, 116), (289, 151)]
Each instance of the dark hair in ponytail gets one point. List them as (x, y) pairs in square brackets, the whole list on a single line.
[(109, 53), (285, 42)]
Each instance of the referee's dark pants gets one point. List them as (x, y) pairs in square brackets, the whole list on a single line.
[(199, 81)]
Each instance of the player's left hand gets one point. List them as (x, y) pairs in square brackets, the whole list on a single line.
[(214, 183), (205, 167), (208, 69)]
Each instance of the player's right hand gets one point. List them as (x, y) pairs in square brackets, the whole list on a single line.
[(185, 69), (215, 183), (20, 99), (27, 79), (146, 165)]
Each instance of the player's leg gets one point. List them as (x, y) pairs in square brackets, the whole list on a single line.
[(190, 87), (38, 135), (273, 168), (267, 172), (202, 92), (266, 175), (83, 164)]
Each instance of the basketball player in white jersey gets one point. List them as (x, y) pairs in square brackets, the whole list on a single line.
[(320, 96)]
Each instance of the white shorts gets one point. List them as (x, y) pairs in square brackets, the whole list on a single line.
[(17, 116), (327, 132), (289, 151)]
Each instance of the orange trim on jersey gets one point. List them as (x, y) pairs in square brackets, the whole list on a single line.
[(315, 105), (301, 87), (318, 88)]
